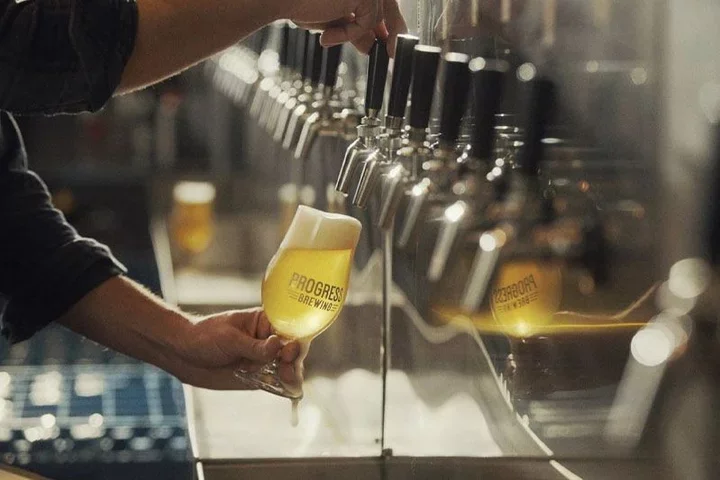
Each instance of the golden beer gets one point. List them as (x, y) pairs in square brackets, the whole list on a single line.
[(526, 296), (191, 220), (305, 290), (306, 284), (526, 300)]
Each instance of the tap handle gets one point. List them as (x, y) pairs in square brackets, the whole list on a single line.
[(539, 110), (303, 53), (294, 52), (331, 63), (487, 79), (285, 45), (315, 57), (455, 92), (377, 74), (425, 67), (402, 75)]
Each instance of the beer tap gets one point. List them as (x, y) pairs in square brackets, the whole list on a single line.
[(312, 92), (328, 118), (526, 205), (525, 223), (369, 130), (440, 168), (288, 100), (268, 66), (382, 157), (286, 57), (475, 186), (415, 149)]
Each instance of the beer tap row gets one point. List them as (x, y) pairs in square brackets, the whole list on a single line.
[(489, 190), (434, 155)]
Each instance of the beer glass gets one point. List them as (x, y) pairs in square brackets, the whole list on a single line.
[(192, 216), (305, 286)]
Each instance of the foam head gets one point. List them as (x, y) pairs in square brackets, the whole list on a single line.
[(318, 230)]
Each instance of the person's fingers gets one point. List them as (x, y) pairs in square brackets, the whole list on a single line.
[(325, 25), (289, 352), (245, 320), (394, 23), (349, 32), (263, 329), (291, 375), (368, 14), (242, 346), (248, 366), (364, 44)]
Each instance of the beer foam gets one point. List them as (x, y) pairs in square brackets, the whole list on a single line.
[(318, 230), (194, 192)]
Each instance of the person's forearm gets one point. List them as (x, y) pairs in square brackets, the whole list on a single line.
[(175, 34), (121, 315)]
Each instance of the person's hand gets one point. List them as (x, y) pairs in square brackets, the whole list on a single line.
[(211, 350), (355, 21)]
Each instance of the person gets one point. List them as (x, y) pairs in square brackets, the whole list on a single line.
[(69, 56)]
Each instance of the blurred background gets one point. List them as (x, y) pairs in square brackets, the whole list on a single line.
[(534, 291)]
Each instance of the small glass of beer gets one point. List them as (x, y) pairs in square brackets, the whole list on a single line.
[(305, 285), (191, 219)]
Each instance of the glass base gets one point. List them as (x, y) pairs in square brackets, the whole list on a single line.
[(267, 379)]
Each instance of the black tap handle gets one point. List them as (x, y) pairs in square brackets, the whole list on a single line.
[(258, 40), (455, 93), (293, 36), (377, 75), (402, 75), (425, 66), (331, 63), (538, 113), (487, 79), (284, 50), (303, 53), (315, 57)]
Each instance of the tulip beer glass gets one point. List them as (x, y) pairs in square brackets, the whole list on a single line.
[(305, 285)]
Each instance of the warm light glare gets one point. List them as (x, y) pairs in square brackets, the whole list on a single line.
[(526, 72), (95, 420), (420, 188), (47, 420), (395, 172), (455, 211), (652, 345), (689, 278)]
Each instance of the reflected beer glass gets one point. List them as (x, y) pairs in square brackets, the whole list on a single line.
[(305, 285)]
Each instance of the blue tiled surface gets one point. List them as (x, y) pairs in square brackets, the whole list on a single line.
[(101, 408)]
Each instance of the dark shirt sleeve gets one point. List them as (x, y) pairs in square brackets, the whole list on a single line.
[(63, 56), (45, 266)]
